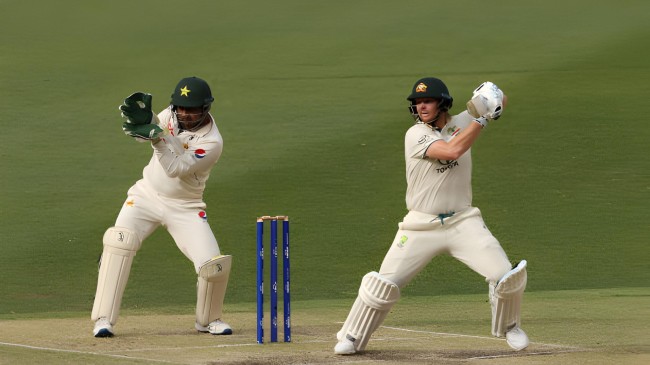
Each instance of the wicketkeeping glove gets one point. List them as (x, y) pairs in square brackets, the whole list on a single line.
[(144, 131), (137, 108)]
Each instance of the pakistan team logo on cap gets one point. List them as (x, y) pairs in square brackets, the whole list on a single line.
[(185, 91)]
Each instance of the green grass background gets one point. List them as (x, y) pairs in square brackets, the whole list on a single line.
[(310, 100)]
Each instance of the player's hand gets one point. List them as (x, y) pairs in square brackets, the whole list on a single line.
[(142, 131), (487, 101), (483, 121), (137, 108)]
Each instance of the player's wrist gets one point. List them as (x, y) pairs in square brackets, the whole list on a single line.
[(483, 121)]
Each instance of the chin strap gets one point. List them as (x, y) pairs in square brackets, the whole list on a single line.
[(202, 122), (432, 123), (414, 114), (200, 125)]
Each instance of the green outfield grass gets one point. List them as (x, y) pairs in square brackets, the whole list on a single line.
[(310, 100)]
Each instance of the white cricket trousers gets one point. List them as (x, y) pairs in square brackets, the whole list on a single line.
[(186, 221), (464, 236)]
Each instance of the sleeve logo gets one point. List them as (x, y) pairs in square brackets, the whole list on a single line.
[(203, 215), (199, 153), (424, 139)]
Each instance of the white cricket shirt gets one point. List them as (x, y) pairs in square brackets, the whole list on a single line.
[(182, 160), (434, 186)]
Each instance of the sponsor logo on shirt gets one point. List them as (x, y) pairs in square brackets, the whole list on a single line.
[(199, 153), (203, 215), (446, 165), (170, 128)]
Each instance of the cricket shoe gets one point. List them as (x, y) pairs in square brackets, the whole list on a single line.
[(216, 327), (517, 339), (103, 328), (345, 347)]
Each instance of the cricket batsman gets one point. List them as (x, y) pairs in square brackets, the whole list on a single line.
[(441, 218), (186, 144)]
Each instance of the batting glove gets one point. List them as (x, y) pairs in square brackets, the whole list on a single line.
[(487, 101), (483, 121)]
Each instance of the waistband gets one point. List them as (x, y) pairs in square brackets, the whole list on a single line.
[(419, 217), (418, 221)]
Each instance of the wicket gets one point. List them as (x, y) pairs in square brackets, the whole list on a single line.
[(274, 278)]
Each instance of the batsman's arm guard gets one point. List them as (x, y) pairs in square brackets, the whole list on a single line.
[(120, 245), (211, 288), (377, 295), (505, 298)]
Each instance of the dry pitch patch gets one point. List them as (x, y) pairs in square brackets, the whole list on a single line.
[(604, 326), (171, 339)]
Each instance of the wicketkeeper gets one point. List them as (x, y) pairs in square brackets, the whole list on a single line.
[(186, 145), (441, 218)]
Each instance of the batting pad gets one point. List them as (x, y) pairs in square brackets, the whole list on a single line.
[(377, 296), (120, 245), (506, 297), (211, 288)]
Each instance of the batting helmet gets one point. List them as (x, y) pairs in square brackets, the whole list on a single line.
[(431, 87), (192, 92)]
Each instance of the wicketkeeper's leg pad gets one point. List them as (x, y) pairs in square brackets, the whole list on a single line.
[(505, 297), (120, 245), (377, 295), (211, 288)]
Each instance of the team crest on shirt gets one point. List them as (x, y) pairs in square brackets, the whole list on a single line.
[(186, 146), (203, 215), (453, 130), (130, 203), (199, 153)]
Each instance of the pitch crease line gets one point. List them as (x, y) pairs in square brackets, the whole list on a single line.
[(187, 347), (473, 336), (84, 352), (522, 354)]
